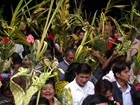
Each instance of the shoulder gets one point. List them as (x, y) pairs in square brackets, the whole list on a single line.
[(114, 84), (56, 102), (69, 85), (62, 63), (90, 83)]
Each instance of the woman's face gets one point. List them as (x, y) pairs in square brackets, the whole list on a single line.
[(109, 94), (117, 34), (48, 91), (81, 35)]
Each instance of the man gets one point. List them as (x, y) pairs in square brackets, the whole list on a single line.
[(122, 90), (80, 87), (68, 59)]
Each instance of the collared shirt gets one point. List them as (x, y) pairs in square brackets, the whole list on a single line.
[(80, 93), (64, 66), (126, 95), (66, 62)]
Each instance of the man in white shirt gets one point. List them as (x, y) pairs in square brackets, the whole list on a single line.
[(80, 87)]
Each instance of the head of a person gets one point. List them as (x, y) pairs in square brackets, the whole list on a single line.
[(24, 27), (136, 97), (104, 87), (42, 101), (69, 55), (48, 91), (50, 47), (117, 34), (16, 59), (95, 99), (107, 29), (77, 30), (83, 73), (121, 71), (70, 73), (81, 34)]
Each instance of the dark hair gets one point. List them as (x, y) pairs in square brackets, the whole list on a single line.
[(51, 81), (77, 29), (119, 67), (50, 43), (81, 30), (5, 85), (95, 99), (83, 68), (69, 50), (70, 73), (25, 52), (42, 100), (136, 97), (102, 86), (16, 58)]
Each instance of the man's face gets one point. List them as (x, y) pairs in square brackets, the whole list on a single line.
[(82, 79), (70, 57), (124, 75)]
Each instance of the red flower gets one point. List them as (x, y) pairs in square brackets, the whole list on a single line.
[(0, 78), (5, 39)]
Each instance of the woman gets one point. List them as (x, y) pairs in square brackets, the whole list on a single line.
[(48, 91)]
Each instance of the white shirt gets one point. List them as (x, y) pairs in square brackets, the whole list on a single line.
[(19, 49), (110, 76), (80, 93), (126, 95)]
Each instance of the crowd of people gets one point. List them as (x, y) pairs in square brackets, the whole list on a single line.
[(108, 84)]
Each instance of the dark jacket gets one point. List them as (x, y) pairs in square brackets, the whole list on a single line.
[(117, 93)]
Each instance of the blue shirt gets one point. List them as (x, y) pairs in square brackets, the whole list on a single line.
[(64, 66), (126, 95)]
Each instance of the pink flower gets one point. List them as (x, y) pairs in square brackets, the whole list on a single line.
[(30, 38), (5, 39), (137, 86)]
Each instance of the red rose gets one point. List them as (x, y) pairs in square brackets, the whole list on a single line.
[(5, 39)]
